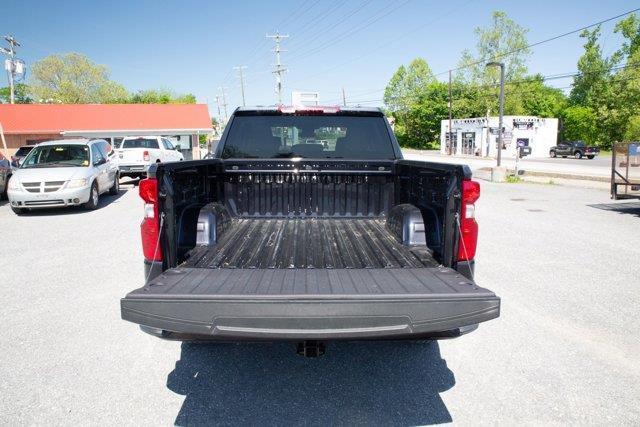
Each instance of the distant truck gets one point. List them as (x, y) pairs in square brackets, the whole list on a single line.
[(137, 153), (577, 149), (309, 226)]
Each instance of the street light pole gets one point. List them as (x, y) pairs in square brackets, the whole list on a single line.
[(501, 65)]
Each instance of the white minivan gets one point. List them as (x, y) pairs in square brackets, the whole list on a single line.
[(137, 153), (68, 172)]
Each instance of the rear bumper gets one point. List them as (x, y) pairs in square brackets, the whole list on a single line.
[(317, 318), (133, 169)]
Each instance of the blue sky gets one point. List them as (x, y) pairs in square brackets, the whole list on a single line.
[(191, 46)]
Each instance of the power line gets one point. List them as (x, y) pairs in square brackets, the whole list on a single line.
[(541, 42), (371, 20), (279, 70), (389, 42)]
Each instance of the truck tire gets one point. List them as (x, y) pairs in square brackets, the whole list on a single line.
[(590, 157), (94, 197), (577, 155), (553, 154), (115, 188)]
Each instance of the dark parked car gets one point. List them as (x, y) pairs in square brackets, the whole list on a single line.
[(5, 173), (284, 237), (19, 156), (577, 149)]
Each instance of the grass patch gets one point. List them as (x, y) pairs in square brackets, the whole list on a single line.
[(513, 179)]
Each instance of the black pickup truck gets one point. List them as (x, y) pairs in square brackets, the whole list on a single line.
[(577, 149), (308, 225)]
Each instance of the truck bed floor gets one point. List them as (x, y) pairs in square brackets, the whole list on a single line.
[(309, 243)]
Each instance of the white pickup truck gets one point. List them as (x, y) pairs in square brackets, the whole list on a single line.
[(136, 154)]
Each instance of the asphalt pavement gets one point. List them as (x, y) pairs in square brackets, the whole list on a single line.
[(566, 262)]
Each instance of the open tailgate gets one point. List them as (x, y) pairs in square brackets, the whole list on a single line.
[(309, 303)]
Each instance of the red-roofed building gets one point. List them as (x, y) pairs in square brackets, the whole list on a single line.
[(24, 124)]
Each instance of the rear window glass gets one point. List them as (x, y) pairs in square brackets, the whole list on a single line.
[(23, 151), (140, 143), (320, 137)]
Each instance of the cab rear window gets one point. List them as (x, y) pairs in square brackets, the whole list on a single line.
[(140, 143), (321, 137)]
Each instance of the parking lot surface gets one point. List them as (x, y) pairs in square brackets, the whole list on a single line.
[(566, 262)]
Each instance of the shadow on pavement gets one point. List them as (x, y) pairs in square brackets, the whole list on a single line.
[(632, 208), (381, 383), (105, 200)]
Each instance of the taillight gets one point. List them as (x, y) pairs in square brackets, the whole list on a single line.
[(468, 241), (145, 156), (150, 227)]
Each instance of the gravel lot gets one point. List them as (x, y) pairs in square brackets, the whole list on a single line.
[(565, 349)]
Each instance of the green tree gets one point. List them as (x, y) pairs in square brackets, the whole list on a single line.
[(579, 123), (504, 41), (590, 85), (414, 98), (161, 96), (632, 132), (73, 78), (21, 94)]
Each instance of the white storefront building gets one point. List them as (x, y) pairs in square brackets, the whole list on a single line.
[(476, 137)]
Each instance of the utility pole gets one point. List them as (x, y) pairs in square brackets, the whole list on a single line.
[(219, 115), (501, 65), (224, 102), (218, 104), (280, 69), (344, 98), (12, 65), (450, 128), (240, 68)]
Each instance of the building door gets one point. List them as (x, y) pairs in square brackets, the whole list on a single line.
[(468, 143)]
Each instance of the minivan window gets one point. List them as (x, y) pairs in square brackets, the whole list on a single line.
[(59, 155), (320, 137), (23, 151), (140, 143)]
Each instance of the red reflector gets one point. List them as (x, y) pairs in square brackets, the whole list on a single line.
[(150, 231), (148, 190), (145, 156), (150, 227), (470, 191), (468, 242)]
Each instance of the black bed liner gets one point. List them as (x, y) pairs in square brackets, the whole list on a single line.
[(309, 243), (310, 303)]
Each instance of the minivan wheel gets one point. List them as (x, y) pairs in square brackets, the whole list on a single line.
[(93, 198), (18, 211), (577, 155), (115, 188)]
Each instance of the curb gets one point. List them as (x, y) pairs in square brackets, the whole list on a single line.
[(557, 175)]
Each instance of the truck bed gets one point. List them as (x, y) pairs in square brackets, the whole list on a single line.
[(322, 278), (309, 243)]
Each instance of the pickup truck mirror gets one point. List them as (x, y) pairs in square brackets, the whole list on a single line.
[(99, 162)]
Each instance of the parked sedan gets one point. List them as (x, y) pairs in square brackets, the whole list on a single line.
[(577, 149), (64, 173)]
